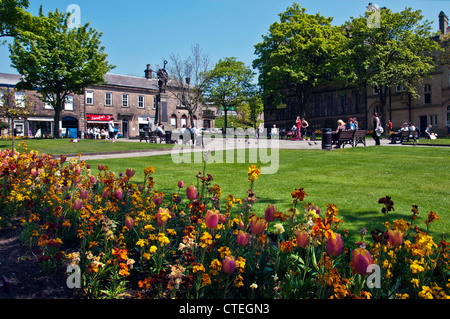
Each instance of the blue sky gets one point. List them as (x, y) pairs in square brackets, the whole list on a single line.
[(137, 32)]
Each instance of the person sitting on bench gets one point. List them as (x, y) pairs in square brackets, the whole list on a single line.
[(160, 131)]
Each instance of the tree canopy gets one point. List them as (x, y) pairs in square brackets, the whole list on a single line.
[(58, 61)]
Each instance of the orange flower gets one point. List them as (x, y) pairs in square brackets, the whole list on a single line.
[(432, 216), (299, 194)]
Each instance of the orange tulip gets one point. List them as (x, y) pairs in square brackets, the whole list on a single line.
[(212, 218), (257, 225), (302, 239), (334, 245), (395, 237)]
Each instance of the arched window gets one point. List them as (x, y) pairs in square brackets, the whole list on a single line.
[(183, 120), (173, 120)]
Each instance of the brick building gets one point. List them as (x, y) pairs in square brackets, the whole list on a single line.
[(130, 100)]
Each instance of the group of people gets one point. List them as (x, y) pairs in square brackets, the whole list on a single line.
[(95, 133)]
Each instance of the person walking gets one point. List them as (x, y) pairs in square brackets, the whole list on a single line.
[(111, 130), (304, 128), (377, 129)]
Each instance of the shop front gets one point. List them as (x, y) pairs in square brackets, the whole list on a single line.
[(97, 125)]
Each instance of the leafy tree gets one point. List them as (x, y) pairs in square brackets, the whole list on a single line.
[(11, 14), (228, 84), (59, 61), (298, 53), (399, 51)]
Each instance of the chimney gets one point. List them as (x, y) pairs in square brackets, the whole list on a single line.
[(148, 72), (443, 22)]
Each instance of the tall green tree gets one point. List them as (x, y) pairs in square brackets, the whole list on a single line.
[(58, 61), (299, 52), (228, 85), (11, 14), (400, 50)]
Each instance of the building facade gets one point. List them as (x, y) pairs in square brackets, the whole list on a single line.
[(130, 100), (328, 104)]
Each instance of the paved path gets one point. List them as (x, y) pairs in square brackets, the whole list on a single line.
[(225, 145)]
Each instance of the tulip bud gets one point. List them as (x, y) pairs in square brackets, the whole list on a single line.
[(119, 193), (302, 239), (334, 245), (257, 225), (191, 192), (395, 237), (158, 199), (130, 172), (269, 214), (242, 238), (180, 184), (83, 193), (228, 264), (129, 222), (77, 204), (361, 259), (212, 218)]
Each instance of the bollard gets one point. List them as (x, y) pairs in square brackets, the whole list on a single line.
[(326, 139)]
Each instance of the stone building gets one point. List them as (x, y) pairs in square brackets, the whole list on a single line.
[(130, 100), (328, 104)]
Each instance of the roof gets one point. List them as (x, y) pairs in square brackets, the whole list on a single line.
[(9, 79), (131, 81)]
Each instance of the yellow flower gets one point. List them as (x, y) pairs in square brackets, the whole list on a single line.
[(426, 293), (416, 267), (141, 242), (205, 240), (253, 173), (415, 282), (163, 239), (153, 249), (215, 267)]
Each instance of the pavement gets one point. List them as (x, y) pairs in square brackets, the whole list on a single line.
[(217, 145)]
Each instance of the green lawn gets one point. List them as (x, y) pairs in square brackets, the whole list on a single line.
[(352, 178), (64, 146)]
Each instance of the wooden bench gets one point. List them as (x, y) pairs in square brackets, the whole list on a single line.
[(148, 136), (344, 137), (407, 135), (359, 137)]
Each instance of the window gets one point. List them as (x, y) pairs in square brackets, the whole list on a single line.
[(108, 99), (173, 120), (20, 99), (124, 100), (178, 99), (400, 88), (433, 120), (68, 103), (89, 97), (427, 94), (141, 101), (47, 105), (183, 120)]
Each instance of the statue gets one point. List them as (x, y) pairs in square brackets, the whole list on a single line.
[(163, 77)]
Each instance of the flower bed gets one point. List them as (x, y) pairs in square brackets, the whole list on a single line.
[(129, 240)]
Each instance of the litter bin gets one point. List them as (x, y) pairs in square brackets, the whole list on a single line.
[(326, 139), (168, 137)]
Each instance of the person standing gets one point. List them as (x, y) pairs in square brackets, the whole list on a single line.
[(111, 130), (298, 123), (377, 129), (304, 128)]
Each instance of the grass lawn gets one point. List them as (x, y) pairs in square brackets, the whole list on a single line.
[(352, 178), (64, 146)]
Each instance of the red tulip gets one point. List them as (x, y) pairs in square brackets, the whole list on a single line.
[(228, 264), (212, 218), (334, 245), (101, 167), (257, 225), (361, 259), (395, 237), (242, 238), (302, 238), (191, 192), (269, 214)]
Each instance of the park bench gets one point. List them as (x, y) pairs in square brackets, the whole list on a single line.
[(359, 137), (148, 136), (344, 137), (407, 135)]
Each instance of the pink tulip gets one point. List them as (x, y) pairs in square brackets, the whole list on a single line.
[(83, 193), (269, 214), (228, 264), (212, 218), (129, 222), (119, 193), (180, 184), (395, 237), (361, 259), (302, 239), (33, 172), (242, 238), (77, 204), (162, 216), (257, 225), (191, 192), (334, 245)]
